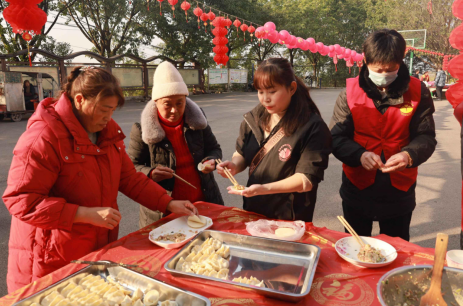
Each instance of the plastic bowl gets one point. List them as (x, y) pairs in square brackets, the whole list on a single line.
[(455, 259)]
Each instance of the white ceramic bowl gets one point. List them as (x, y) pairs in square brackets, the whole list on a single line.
[(178, 225), (455, 259), (348, 248)]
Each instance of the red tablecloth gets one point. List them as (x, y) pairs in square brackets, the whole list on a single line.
[(353, 286)]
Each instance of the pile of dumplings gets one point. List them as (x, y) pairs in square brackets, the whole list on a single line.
[(208, 259), (250, 281), (88, 289)]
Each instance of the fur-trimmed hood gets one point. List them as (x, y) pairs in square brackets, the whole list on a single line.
[(394, 91), (152, 131)]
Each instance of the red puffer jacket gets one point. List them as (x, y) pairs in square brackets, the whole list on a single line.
[(56, 169)]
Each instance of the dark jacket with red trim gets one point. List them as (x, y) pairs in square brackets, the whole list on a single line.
[(382, 200)]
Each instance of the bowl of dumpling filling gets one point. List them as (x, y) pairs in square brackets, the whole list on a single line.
[(374, 253)]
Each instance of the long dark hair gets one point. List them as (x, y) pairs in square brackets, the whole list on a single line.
[(279, 71), (93, 83)]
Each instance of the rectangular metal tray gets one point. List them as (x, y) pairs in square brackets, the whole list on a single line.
[(143, 282), (287, 268)]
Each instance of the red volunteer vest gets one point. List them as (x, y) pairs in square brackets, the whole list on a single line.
[(377, 133)]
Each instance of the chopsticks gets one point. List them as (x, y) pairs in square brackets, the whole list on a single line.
[(228, 173), (104, 263), (183, 180), (351, 230)]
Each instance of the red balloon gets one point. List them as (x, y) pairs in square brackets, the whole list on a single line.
[(274, 37)]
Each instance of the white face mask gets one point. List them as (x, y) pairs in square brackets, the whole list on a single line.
[(383, 79)]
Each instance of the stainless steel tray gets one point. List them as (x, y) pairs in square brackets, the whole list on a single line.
[(287, 268), (407, 285), (142, 281)]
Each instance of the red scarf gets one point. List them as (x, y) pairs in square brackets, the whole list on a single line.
[(186, 167)]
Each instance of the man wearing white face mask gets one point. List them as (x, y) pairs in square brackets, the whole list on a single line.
[(382, 129)]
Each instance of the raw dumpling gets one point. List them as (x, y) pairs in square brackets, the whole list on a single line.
[(179, 264), (103, 290), (187, 266), (216, 244), (77, 293), (208, 250), (109, 292), (138, 303), (137, 295), (196, 249), (49, 298), (224, 251), (66, 290), (127, 301), (56, 300), (64, 302), (115, 298), (197, 257), (169, 303), (223, 263), (97, 302), (82, 280), (191, 256), (203, 258), (214, 264), (151, 298), (223, 274), (34, 304), (213, 274)]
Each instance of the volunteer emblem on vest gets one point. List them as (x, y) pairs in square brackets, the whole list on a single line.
[(406, 109), (285, 152)]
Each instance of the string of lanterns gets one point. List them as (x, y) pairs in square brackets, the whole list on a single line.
[(446, 57), (268, 31)]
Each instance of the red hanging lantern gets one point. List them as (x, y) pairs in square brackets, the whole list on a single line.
[(198, 12), (185, 6), (456, 67), (457, 9), (25, 18), (204, 17), (237, 24), (160, 7), (228, 23), (455, 93), (220, 40), (244, 28), (173, 3), (211, 15), (251, 30), (456, 38)]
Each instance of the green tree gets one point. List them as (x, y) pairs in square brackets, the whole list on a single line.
[(112, 26), (58, 48)]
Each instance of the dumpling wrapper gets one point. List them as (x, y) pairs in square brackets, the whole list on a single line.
[(190, 257), (283, 232), (66, 290), (151, 298), (196, 222)]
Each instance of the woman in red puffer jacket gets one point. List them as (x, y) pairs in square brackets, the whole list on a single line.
[(65, 176)]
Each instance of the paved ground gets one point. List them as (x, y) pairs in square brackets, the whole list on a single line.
[(439, 181)]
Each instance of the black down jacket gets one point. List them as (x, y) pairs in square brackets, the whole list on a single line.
[(149, 147)]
